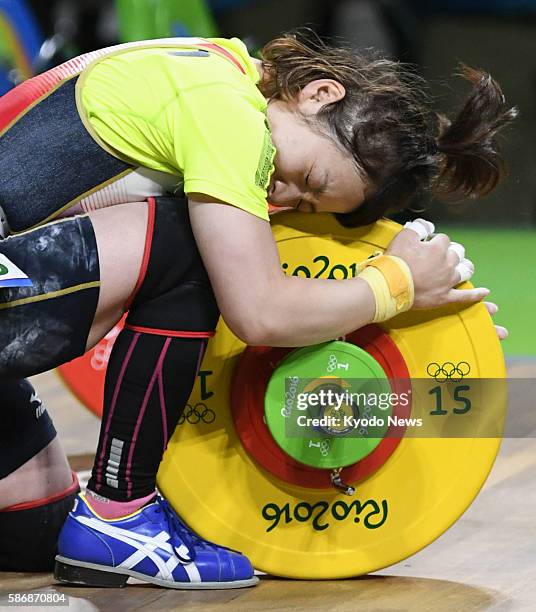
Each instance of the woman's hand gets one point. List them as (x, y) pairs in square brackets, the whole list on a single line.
[(437, 266)]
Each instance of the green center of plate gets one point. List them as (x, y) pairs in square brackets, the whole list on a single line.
[(328, 405)]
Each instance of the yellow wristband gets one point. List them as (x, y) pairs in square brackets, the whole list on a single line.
[(390, 279)]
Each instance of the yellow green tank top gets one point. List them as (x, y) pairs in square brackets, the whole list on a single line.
[(187, 107)]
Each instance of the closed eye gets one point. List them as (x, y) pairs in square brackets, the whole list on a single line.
[(316, 191), (322, 188)]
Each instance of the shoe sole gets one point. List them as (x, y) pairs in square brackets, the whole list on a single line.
[(91, 574)]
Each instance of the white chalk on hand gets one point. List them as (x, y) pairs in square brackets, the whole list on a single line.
[(458, 249), (466, 269), (422, 227)]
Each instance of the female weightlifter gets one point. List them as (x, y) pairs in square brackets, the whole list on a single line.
[(352, 136)]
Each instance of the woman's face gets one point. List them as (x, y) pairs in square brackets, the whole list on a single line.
[(312, 174)]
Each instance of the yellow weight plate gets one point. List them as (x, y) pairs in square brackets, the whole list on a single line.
[(293, 531)]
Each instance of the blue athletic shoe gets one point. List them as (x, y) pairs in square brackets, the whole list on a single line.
[(152, 545)]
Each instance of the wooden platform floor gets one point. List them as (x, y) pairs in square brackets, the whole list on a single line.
[(486, 561)]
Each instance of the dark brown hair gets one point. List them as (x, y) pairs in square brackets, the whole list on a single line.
[(386, 123)]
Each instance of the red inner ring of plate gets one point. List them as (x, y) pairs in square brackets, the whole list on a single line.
[(250, 380)]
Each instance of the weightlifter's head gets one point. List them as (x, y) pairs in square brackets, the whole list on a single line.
[(356, 135)]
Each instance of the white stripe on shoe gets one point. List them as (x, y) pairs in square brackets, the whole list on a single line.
[(145, 547)]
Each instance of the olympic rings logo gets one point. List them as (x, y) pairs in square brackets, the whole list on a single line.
[(324, 448), (448, 371), (196, 414), (332, 363)]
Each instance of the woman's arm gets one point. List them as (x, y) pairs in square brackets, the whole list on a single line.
[(262, 305), (259, 303)]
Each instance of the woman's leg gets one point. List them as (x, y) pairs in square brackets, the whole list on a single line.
[(83, 271), (121, 234), (154, 361)]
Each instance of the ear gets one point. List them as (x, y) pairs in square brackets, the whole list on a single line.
[(317, 94)]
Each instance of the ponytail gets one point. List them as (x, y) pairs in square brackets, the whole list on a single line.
[(469, 162), (386, 124)]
